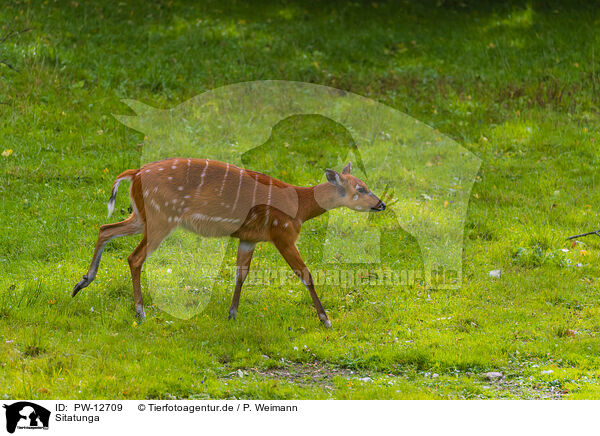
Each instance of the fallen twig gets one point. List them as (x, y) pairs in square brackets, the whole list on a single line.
[(4, 38), (597, 233), (11, 34), (9, 65)]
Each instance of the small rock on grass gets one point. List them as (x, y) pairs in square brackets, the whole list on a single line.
[(495, 273), (493, 376)]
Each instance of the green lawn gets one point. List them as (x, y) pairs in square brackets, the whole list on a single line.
[(516, 85)]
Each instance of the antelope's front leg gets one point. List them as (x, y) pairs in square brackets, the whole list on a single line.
[(244, 257), (292, 256)]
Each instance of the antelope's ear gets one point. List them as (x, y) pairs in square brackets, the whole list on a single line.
[(347, 169), (333, 177)]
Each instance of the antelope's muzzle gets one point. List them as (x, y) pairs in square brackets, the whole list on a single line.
[(379, 207)]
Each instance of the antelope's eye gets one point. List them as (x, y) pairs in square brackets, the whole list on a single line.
[(362, 190)]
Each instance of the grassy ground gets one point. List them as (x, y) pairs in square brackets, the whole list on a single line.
[(516, 84)]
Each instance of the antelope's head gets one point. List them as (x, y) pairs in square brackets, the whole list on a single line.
[(352, 192)]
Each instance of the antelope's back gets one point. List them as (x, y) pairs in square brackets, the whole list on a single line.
[(209, 197)]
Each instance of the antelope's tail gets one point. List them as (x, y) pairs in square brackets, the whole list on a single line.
[(125, 175)]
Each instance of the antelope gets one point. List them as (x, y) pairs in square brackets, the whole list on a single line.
[(217, 199)]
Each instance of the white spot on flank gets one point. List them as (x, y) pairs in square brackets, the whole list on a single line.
[(166, 203), (174, 167), (170, 219), (355, 197), (170, 178), (180, 188), (186, 196), (285, 226), (146, 193), (274, 222), (147, 171), (161, 169)]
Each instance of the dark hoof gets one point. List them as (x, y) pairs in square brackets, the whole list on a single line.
[(232, 314), (325, 321), (139, 311), (79, 286)]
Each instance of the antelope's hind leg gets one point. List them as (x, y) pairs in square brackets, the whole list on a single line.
[(131, 226), (136, 260), (244, 257)]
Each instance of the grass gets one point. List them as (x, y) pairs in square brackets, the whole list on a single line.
[(515, 84)]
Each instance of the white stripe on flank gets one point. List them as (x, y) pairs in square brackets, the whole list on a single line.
[(201, 216), (224, 179), (202, 176), (254, 195), (268, 203), (269, 194), (187, 171), (238, 191)]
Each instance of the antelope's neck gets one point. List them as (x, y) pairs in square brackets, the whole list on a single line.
[(315, 200)]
